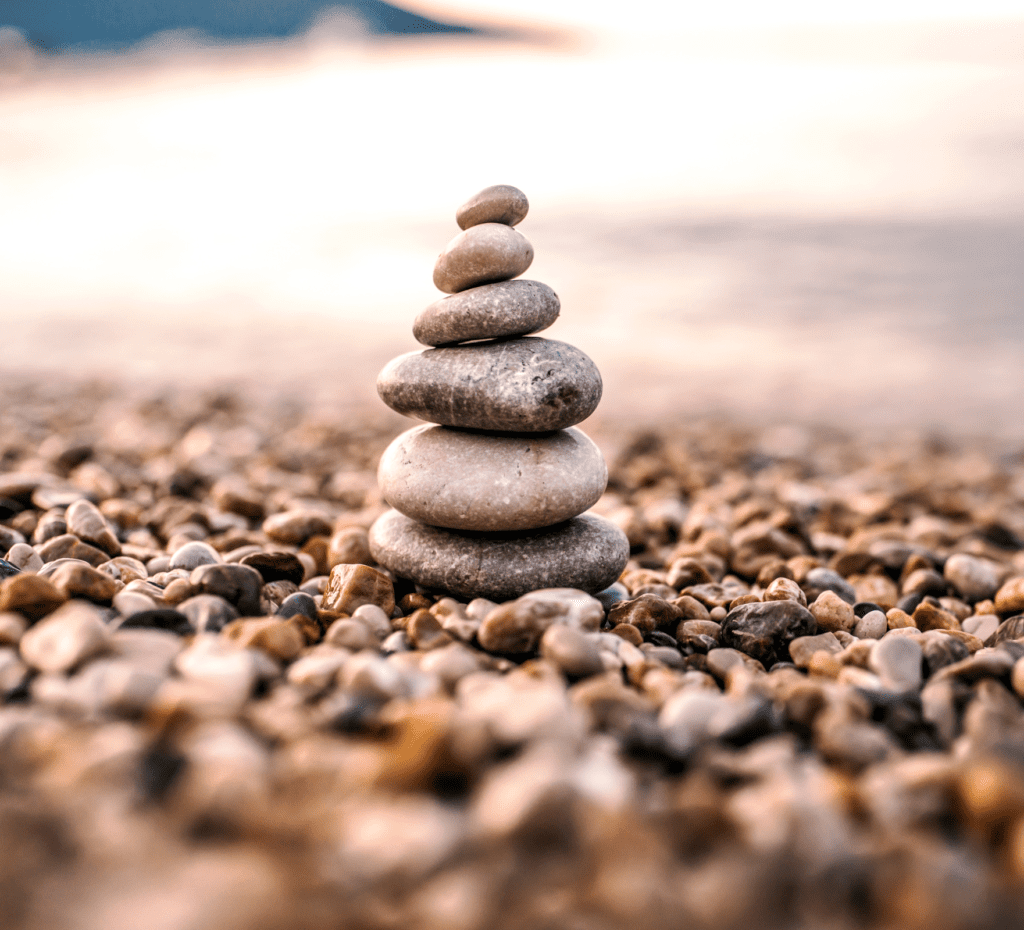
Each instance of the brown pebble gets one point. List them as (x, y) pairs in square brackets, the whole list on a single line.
[(350, 545), (67, 546), (77, 579), (31, 596), (1009, 598), (928, 617), (628, 632), (281, 639), (351, 586), (425, 631)]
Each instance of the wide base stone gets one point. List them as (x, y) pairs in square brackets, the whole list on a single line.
[(587, 552)]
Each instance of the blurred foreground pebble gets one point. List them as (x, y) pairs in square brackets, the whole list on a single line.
[(800, 705)]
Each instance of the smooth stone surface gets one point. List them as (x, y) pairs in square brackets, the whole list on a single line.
[(975, 579), (475, 481), (527, 385), (491, 311), (499, 203), (764, 630), (480, 255), (587, 552)]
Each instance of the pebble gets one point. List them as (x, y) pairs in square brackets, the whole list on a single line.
[(77, 579), (350, 545), (491, 311), (68, 546), (782, 589), (298, 603), (276, 566), (832, 613), (1009, 598), (500, 203), (193, 554), (12, 628), (647, 612), (571, 651), (523, 385), (87, 523), (352, 586), (163, 618), (765, 630), (1009, 629), (517, 627), (502, 483), (586, 552), (375, 618), (239, 585), (206, 613), (819, 580), (295, 527), (803, 647), (279, 638), (982, 626), (897, 660), (70, 635), (21, 557), (975, 579), (929, 617), (872, 625), (482, 254), (30, 595)]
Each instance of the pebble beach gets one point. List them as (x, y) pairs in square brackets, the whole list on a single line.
[(191, 737), (741, 647)]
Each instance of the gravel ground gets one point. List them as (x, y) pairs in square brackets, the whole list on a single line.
[(800, 706)]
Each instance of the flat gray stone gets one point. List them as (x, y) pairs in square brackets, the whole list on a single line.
[(500, 203), (586, 552), (525, 385), (482, 254), (481, 481), (490, 311)]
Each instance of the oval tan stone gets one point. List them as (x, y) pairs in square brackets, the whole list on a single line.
[(490, 311), (479, 481), (586, 552), (500, 203), (527, 385), (482, 254)]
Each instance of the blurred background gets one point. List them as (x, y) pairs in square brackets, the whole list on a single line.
[(786, 212)]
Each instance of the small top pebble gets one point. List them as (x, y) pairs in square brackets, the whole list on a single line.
[(500, 203)]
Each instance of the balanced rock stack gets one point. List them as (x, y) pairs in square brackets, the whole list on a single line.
[(490, 493)]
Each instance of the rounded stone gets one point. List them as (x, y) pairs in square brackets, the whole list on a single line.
[(586, 552), (479, 481), (499, 203), (482, 254), (490, 311), (526, 385)]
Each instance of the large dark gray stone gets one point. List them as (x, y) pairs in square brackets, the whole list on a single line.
[(587, 553), (527, 385)]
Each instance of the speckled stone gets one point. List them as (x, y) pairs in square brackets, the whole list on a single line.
[(499, 203), (587, 553), (491, 311), (475, 481), (527, 385), (480, 255)]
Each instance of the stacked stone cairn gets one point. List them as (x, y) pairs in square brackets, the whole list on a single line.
[(489, 495)]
